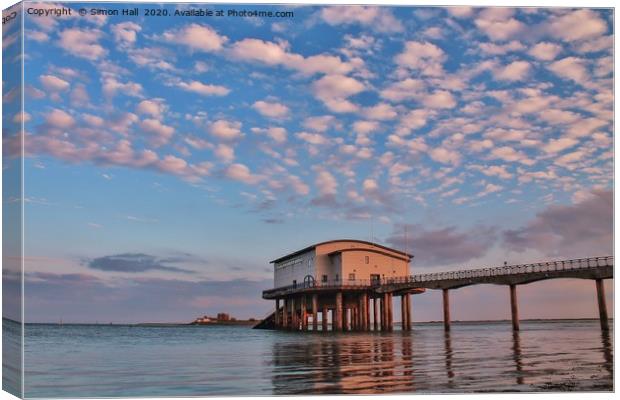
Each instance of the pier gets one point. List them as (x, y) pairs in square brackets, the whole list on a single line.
[(349, 303)]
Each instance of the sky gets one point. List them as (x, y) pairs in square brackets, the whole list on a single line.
[(169, 159)]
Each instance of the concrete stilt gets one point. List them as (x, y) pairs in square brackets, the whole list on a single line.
[(403, 312), (602, 306), (304, 313), (294, 321), (409, 317), (285, 314), (315, 312), (277, 314), (514, 307), (446, 310), (324, 321), (375, 312), (338, 314), (390, 313), (383, 312), (367, 309)]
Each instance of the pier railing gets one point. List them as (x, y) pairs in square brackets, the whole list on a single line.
[(551, 266), (506, 270)]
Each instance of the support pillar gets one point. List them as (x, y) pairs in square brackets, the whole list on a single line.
[(408, 312), (602, 306), (304, 313), (403, 312), (390, 316), (383, 312), (375, 312), (315, 312), (446, 310), (514, 307), (285, 314), (324, 321), (277, 314), (294, 323), (367, 309), (338, 313)]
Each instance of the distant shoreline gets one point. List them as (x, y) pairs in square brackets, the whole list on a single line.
[(250, 323)]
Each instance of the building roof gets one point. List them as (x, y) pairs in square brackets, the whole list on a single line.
[(312, 247)]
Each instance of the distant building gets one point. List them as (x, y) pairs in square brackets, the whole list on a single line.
[(223, 317)]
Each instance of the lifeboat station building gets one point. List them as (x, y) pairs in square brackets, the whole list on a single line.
[(338, 284)]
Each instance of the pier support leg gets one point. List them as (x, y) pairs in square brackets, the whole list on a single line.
[(315, 312), (514, 307), (338, 313), (384, 312), (408, 312), (304, 313), (390, 313), (446, 310), (403, 312), (367, 310), (294, 321), (285, 314), (602, 306), (375, 311), (324, 320), (277, 314)]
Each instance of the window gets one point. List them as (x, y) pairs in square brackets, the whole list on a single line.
[(309, 263), (367, 260), (294, 284), (337, 277), (324, 278), (351, 277)]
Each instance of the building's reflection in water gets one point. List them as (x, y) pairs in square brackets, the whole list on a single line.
[(608, 355), (364, 363), (516, 349)]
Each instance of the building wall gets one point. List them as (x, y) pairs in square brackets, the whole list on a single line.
[(354, 262), (296, 268)]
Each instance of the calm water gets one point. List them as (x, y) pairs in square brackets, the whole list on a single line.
[(87, 361)]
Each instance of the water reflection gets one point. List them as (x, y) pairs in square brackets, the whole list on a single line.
[(352, 363), (516, 349), (448, 352), (608, 355)]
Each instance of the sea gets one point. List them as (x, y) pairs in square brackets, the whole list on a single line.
[(165, 361)]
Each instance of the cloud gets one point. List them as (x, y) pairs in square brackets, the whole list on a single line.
[(59, 119), (545, 51), (514, 71), (377, 18), (83, 43), (271, 109), (333, 91), (558, 145), (381, 111), (577, 230), (53, 83), (203, 88), (424, 57), (242, 173), (271, 53), (445, 156), (196, 37), (403, 90), (443, 246), (125, 32), (154, 108), (439, 99), (226, 130), (460, 12), (570, 68), (320, 123), (312, 138), (577, 25), (498, 25), (132, 263), (160, 134)]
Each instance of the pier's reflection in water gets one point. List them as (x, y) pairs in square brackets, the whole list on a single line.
[(420, 361)]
